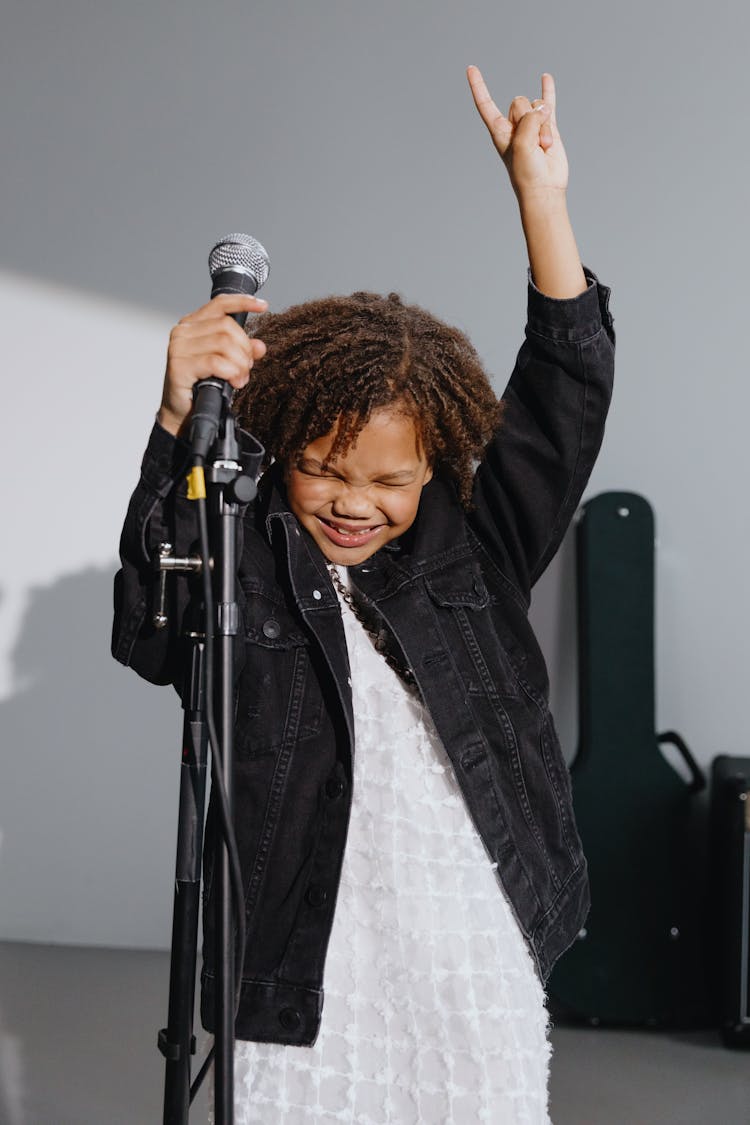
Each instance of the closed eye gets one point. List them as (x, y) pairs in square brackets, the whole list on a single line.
[(313, 469), (397, 480)]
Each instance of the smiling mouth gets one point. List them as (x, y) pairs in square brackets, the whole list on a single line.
[(348, 536)]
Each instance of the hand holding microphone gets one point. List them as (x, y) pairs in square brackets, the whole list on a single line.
[(210, 341)]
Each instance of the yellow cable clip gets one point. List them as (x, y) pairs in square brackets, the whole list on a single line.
[(196, 482)]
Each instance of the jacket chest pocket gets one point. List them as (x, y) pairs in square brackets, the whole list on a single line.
[(278, 698), (467, 623)]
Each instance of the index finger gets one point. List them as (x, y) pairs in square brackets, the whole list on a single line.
[(239, 302), (228, 303)]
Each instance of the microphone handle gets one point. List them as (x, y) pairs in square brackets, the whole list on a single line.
[(231, 280), (208, 394), (208, 397)]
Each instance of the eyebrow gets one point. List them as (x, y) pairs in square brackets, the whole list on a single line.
[(312, 463)]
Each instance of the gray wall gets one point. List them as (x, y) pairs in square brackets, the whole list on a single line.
[(343, 136)]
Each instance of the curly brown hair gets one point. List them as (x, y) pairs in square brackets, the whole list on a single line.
[(332, 362)]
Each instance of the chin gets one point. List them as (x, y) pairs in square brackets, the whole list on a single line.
[(346, 556)]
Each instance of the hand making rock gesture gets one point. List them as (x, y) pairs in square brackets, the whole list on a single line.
[(531, 149), (527, 138)]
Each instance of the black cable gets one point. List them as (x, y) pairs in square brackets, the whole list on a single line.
[(217, 751), (225, 820), (201, 1074)]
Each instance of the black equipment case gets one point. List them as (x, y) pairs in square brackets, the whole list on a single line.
[(730, 868)]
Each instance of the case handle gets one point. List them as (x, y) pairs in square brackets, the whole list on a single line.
[(699, 778)]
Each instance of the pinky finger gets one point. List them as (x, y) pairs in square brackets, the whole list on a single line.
[(548, 91)]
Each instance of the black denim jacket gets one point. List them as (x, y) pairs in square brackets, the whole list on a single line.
[(454, 592)]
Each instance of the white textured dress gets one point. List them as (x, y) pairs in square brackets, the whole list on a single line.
[(433, 1009)]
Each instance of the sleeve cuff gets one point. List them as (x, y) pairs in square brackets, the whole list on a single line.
[(164, 461), (572, 319)]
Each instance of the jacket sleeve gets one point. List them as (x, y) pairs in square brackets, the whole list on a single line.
[(160, 512), (530, 482)]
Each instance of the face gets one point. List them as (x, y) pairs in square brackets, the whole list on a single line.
[(353, 505)]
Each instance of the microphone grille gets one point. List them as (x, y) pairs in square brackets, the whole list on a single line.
[(240, 251)]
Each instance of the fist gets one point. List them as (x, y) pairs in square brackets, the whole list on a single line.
[(207, 342)]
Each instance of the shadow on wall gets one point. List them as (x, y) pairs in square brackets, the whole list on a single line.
[(87, 846), (11, 1077), (88, 835)]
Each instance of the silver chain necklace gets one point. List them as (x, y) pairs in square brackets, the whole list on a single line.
[(380, 636)]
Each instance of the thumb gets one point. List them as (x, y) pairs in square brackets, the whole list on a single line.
[(546, 135), (534, 130)]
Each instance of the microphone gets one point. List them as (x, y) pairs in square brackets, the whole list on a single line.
[(237, 264)]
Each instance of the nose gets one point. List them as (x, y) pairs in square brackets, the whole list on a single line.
[(352, 503)]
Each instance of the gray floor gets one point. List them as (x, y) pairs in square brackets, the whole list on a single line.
[(77, 1047)]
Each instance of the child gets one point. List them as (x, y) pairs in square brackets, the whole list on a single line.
[(393, 697)]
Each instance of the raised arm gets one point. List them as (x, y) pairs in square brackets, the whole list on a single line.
[(533, 475), (531, 149)]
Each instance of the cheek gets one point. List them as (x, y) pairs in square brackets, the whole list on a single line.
[(304, 495), (403, 509)]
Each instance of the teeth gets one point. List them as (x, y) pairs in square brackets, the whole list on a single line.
[(350, 532), (347, 531)]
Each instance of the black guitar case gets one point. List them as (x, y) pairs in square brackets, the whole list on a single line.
[(641, 958)]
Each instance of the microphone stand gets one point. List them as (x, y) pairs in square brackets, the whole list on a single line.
[(176, 1041), (223, 515), (229, 487)]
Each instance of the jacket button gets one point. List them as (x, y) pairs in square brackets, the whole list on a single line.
[(317, 595), (334, 787), (316, 895), (290, 1019), (271, 629)]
